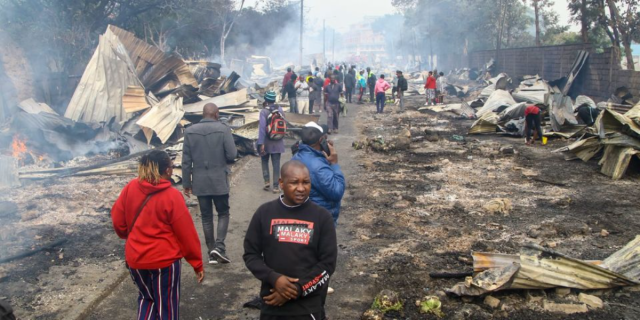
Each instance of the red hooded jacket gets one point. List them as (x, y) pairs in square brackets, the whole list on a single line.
[(431, 83), (164, 231)]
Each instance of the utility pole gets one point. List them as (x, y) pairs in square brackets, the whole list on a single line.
[(324, 40), (333, 55), (301, 29)]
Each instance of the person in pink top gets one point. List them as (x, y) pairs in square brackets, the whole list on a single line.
[(380, 89), (431, 88)]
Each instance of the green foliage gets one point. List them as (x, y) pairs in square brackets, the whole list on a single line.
[(431, 305), (387, 301)]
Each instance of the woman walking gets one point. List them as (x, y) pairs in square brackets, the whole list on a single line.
[(153, 218)]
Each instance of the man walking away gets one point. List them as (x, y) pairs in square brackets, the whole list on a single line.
[(291, 247), (318, 73), (532, 120), (290, 91), (349, 83), (316, 95), (371, 83), (208, 147), (285, 80), (302, 92), (381, 88), (430, 86), (333, 92), (268, 147), (362, 85), (402, 87)]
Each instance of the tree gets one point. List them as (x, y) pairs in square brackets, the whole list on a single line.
[(627, 24), (228, 16), (540, 9)]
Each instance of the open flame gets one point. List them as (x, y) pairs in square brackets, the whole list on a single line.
[(19, 147), (21, 152)]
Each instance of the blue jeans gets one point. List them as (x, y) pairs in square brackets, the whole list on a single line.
[(380, 100)]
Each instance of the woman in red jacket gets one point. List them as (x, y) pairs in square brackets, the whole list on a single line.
[(153, 218)]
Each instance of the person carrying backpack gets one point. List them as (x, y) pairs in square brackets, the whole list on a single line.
[(402, 87), (271, 131)]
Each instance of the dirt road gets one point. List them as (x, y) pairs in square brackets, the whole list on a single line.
[(227, 287)]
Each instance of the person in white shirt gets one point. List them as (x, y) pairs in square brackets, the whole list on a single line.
[(302, 90)]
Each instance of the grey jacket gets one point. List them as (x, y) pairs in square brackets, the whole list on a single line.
[(208, 147)]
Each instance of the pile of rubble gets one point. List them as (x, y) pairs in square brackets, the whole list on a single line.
[(500, 110), (132, 97)]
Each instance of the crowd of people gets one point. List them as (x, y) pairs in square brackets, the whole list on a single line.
[(290, 244)]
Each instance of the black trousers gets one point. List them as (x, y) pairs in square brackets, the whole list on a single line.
[(206, 209), (533, 121), (372, 95), (349, 94), (311, 102)]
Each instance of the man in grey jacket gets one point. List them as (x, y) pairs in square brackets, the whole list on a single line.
[(208, 147)]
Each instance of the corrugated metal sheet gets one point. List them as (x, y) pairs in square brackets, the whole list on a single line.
[(98, 97), (163, 118), (488, 123), (134, 99), (548, 269), (616, 160), (497, 99), (540, 268), (235, 98), (31, 106), (626, 260), (151, 64)]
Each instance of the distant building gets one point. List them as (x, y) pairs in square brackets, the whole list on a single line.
[(362, 42)]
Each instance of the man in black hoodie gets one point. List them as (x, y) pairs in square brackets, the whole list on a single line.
[(291, 247)]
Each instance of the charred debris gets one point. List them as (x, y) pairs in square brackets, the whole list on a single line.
[(498, 103), (133, 97)]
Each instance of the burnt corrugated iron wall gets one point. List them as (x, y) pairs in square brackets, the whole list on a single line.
[(600, 77)]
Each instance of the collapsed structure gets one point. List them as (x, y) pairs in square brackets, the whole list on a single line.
[(499, 109), (133, 96)]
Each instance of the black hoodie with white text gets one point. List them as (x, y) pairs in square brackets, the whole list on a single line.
[(298, 242)]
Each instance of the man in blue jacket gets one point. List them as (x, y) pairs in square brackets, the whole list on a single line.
[(327, 180)]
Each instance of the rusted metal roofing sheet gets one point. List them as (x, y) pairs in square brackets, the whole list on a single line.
[(540, 268), (162, 118), (626, 260), (151, 64), (134, 99)]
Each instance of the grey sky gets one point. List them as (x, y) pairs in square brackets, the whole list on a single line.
[(342, 13)]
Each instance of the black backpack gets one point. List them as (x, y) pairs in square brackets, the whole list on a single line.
[(402, 83)]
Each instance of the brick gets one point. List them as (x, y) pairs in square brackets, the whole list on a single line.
[(492, 302), (592, 301), (567, 308)]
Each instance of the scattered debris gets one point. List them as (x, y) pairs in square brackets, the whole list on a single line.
[(540, 268)]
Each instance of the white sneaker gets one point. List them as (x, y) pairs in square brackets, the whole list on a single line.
[(330, 290), (212, 259)]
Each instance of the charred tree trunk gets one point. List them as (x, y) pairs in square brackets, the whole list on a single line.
[(583, 21)]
